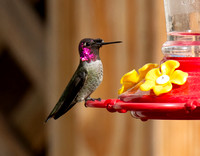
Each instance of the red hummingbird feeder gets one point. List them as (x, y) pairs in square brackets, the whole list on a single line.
[(170, 91)]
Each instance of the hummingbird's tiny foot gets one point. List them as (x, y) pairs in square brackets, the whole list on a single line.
[(98, 99), (92, 99), (88, 99)]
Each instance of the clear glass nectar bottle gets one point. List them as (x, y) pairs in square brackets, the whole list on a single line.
[(183, 28)]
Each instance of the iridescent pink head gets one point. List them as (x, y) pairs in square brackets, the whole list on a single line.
[(89, 48)]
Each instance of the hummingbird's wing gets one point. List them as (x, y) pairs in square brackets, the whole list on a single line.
[(66, 101)]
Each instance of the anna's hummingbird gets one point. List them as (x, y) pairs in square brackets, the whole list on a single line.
[(85, 80)]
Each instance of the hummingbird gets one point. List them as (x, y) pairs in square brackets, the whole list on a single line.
[(86, 78)]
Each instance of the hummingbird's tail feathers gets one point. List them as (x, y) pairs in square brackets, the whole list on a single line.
[(60, 112), (54, 111), (47, 119), (67, 100)]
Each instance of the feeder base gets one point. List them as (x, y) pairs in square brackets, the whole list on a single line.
[(146, 111)]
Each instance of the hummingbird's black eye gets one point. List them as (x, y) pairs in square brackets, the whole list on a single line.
[(86, 44)]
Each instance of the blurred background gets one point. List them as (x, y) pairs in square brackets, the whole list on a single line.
[(39, 54)]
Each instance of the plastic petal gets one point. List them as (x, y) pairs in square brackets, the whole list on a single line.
[(153, 74), (131, 76), (147, 85), (121, 90), (179, 77), (160, 89), (128, 85), (168, 67), (125, 87), (147, 67)]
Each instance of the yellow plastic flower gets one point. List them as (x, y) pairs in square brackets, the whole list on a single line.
[(161, 79), (132, 78)]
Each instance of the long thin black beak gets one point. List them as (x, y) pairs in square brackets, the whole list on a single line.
[(105, 43)]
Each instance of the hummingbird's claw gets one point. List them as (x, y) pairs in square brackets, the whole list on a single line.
[(91, 99), (98, 99), (88, 99)]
